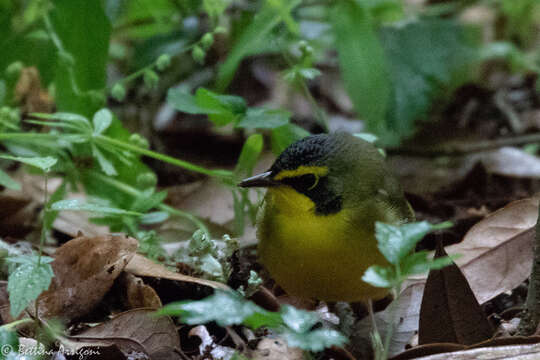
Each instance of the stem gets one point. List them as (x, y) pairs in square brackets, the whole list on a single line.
[(461, 148), (319, 112), (27, 136), (125, 188), (224, 174), (45, 210), (393, 312), (15, 323)]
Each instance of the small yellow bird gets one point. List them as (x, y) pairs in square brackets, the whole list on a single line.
[(316, 229)]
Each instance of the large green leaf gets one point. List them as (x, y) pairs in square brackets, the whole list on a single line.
[(83, 29), (362, 63), (424, 58), (27, 281)]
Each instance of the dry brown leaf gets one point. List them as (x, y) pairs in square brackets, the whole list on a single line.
[(515, 348), (501, 246), (30, 93), (141, 266), (18, 215), (85, 269), (137, 294), (449, 311), (134, 330), (408, 313), (275, 349)]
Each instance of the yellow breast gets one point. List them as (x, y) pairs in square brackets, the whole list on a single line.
[(316, 256)]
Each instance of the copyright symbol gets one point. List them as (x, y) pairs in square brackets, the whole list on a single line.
[(6, 349)]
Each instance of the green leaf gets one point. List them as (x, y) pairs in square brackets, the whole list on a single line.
[(248, 156), (285, 135), (148, 200), (180, 99), (362, 62), (250, 40), (260, 118), (215, 103), (77, 205), (225, 308), (105, 164), (316, 340), (425, 58), (43, 163), (221, 109), (102, 120), (214, 8), (70, 121), (8, 182), (9, 342), (27, 282), (73, 20), (298, 320), (154, 217), (419, 263), (397, 241), (379, 276)]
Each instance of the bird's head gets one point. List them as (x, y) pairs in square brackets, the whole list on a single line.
[(328, 169)]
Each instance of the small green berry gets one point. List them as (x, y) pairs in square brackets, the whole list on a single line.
[(151, 79), (15, 116), (138, 140), (14, 70), (118, 92), (207, 41), (163, 62), (220, 30), (5, 113), (96, 97), (198, 54), (146, 180)]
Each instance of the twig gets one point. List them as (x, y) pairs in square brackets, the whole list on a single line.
[(461, 148), (531, 313), (508, 111)]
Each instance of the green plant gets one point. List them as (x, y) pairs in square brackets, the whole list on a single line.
[(297, 327), (397, 244)]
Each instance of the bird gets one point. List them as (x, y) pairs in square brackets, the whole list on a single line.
[(316, 225)]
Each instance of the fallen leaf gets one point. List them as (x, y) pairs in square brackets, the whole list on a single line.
[(501, 246), (29, 92), (136, 293), (275, 349), (142, 266), (510, 161), (514, 347), (134, 330), (449, 312), (208, 345), (85, 269), (18, 215)]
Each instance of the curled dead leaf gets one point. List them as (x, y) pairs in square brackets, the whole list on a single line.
[(85, 269), (142, 266), (135, 330), (136, 293), (276, 349)]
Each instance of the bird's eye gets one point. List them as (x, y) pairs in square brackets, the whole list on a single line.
[(302, 183)]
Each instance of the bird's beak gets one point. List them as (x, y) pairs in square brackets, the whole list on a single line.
[(260, 180)]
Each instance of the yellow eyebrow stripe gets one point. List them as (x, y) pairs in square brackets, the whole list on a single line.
[(302, 170)]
